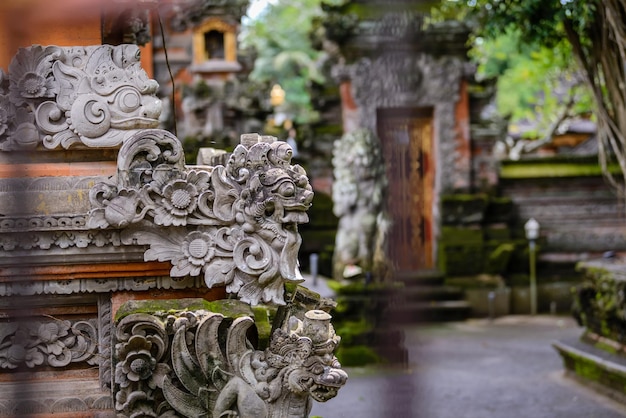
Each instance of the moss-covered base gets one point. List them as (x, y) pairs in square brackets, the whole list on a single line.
[(594, 367), (358, 320), (356, 356)]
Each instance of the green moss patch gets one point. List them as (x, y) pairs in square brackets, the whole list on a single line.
[(228, 307), (356, 356)]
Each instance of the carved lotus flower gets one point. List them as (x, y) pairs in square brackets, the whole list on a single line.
[(198, 249), (30, 75), (21, 352), (52, 333), (138, 364), (180, 198)]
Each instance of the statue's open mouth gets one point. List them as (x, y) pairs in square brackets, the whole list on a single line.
[(322, 393)]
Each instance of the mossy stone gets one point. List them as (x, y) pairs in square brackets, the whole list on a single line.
[(228, 307), (463, 209), (359, 355), (461, 235), (497, 261)]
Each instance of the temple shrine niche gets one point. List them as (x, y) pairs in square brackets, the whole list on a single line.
[(201, 73)]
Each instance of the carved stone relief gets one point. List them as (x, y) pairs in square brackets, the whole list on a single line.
[(399, 79), (358, 198), (57, 97), (174, 365), (74, 286), (234, 224), (54, 343)]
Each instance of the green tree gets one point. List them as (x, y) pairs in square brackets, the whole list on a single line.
[(280, 38), (539, 86), (595, 30)]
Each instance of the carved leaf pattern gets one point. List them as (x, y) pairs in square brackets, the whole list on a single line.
[(50, 343), (236, 224)]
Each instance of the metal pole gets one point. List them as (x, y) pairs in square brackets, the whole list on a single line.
[(533, 277)]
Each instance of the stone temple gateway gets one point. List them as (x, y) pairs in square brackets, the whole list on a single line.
[(133, 284)]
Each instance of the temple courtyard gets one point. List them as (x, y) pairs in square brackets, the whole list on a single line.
[(505, 368)]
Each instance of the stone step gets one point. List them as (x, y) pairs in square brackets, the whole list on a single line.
[(430, 311), (431, 277), (599, 369), (431, 293)]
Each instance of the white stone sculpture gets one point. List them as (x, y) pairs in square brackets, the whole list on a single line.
[(235, 224), (58, 97), (359, 192)]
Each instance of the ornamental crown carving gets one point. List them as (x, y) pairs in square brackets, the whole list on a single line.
[(56, 97), (237, 224)]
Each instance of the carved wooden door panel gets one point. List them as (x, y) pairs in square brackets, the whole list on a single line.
[(406, 135)]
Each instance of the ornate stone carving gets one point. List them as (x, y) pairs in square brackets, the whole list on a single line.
[(60, 96), (68, 287), (216, 371), (236, 224), (62, 239), (358, 196), (142, 346), (397, 79), (104, 341), (47, 343), (21, 407)]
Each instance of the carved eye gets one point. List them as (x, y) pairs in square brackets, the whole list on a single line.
[(287, 189), (129, 100), (318, 369)]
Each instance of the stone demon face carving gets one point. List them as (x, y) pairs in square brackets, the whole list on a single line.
[(89, 95), (234, 380), (275, 201), (305, 357), (236, 224)]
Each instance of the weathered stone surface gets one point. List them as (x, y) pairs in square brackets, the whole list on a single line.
[(58, 97), (202, 363), (235, 224), (96, 231), (359, 193)]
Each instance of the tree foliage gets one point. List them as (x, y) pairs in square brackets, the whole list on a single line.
[(284, 54), (596, 32), (538, 85)]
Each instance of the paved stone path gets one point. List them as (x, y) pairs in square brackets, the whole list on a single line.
[(475, 369)]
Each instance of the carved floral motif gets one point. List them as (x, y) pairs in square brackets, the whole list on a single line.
[(212, 379), (141, 348), (61, 96), (236, 224), (54, 343)]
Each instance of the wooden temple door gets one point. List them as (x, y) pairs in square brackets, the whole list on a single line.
[(406, 135)]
